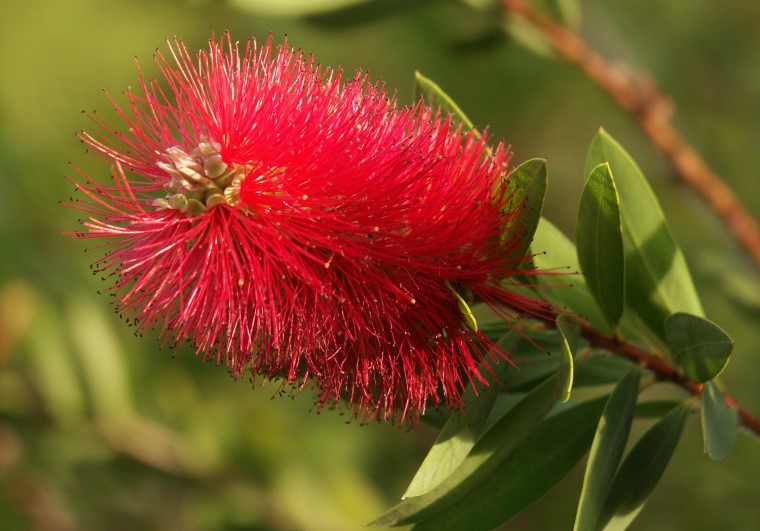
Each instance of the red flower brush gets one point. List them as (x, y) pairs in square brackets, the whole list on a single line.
[(307, 229)]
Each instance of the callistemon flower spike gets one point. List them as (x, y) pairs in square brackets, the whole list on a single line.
[(304, 228)]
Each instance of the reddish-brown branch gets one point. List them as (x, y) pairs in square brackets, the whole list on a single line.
[(663, 371), (640, 96)]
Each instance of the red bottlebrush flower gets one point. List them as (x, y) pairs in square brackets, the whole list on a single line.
[(307, 229)]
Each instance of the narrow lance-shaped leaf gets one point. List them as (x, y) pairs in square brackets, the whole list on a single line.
[(642, 469), (428, 90), (566, 368), (526, 188), (460, 432), (553, 250), (545, 457), (496, 445), (719, 423), (700, 347), (599, 242), (606, 451), (658, 282)]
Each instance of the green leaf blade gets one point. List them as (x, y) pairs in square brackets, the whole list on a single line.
[(699, 346), (461, 430), (566, 369), (526, 189), (496, 445), (434, 96), (642, 469), (552, 249), (719, 423), (545, 457), (606, 451), (599, 241), (658, 282)]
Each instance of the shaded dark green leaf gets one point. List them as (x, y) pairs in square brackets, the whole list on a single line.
[(699, 346), (462, 429), (498, 443), (606, 451), (655, 408), (545, 457), (599, 241), (642, 469), (601, 369), (658, 282), (719, 423)]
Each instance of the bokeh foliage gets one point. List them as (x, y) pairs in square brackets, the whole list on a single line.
[(99, 429)]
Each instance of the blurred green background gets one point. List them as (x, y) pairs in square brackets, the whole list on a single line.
[(103, 430)]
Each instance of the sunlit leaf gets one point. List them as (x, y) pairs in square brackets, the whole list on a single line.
[(526, 188), (462, 429), (719, 423), (293, 7), (599, 242), (546, 456), (658, 282), (465, 310), (565, 373), (699, 346), (434, 96), (642, 469), (357, 13), (606, 451)]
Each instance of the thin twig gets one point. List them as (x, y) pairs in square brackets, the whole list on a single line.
[(640, 96)]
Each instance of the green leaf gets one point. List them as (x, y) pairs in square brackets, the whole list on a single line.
[(655, 408), (642, 469), (606, 451), (699, 346), (566, 12), (527, 35), (658, 282), (534, 367), (464, 308), (719, 423), (546, 456), (526, 188), (498, 443), (294, 8), (435, 97), (599, 241), (552, 250), (460, 432), (565, 373), (601, 369)]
